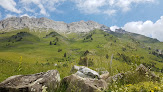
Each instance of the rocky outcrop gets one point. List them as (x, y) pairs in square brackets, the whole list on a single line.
[(44, 23), (142, 70), (31, 83), (84, 80), (140, 74), (120, 30), (85, 72), (117, 77), (75, 83)]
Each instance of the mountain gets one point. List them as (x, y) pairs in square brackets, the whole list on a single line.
[(44, 24), (121, 33), (33, 45), (15, 23)]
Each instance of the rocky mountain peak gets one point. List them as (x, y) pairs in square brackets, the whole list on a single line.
[(120, 30), (14, 23)]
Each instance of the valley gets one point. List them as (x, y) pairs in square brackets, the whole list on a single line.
[(24, 51)]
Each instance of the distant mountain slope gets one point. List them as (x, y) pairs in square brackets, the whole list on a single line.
[(133, 36), (44, 23)]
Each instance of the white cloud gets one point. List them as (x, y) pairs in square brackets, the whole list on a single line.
[(30, 16), (10, 15), (36, 2), (111, 2), (43, 5), (9, 5), (110, 12), (43, 11), (147, 28), (113, 28), (28, 9), (125, 4), (90, 6), (103, 6), (108, 7), (52, 4), (25, 15)]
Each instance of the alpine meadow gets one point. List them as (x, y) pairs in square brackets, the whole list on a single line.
[(81, 46)]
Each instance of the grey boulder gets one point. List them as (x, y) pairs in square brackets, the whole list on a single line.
[(84, 80), (75, 83), (31, 83), (85, 72)]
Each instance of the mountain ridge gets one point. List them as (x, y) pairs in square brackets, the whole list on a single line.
[(45, 23)]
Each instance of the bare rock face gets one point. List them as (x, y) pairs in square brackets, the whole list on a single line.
[(44, 23), (75, 83), (31, 23), (120, 30), (31, 83), (83, 26)]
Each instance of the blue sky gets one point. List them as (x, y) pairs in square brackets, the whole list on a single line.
[(139, 16)]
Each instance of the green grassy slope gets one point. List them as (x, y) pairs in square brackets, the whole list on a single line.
[(45, 50)]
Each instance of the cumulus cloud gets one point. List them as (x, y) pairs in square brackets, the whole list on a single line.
[(113, 28), (108, 7), (9, 5), (147, 28)]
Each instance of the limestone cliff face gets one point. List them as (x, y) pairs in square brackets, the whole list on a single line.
[(44, 23)]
